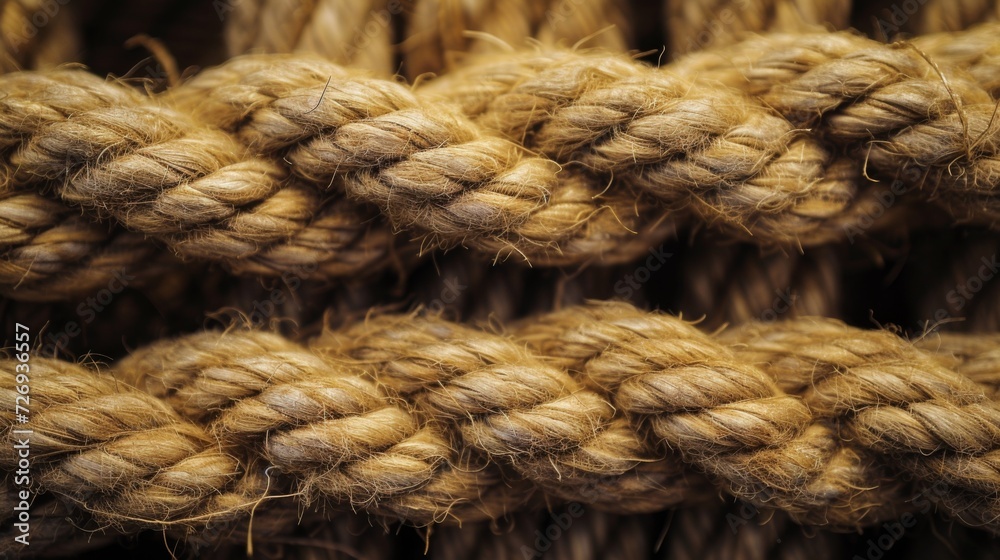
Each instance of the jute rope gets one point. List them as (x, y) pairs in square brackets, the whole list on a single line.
[(775, 182), (251, 163), (942, 15), (416, 419), (358, 34), (36, 34), (700, 24), (437, 34), (191, 186), (974, 50), (737, 284), (912, 120), (423, 164)]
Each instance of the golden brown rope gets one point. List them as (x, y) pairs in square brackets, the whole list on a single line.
[(36, 34), (908, 117), (50, 253), (975, 50), (266, 194), (437, 33), (939, 426), (413, 418), (424, 165), (359, 34), (737, 284), (733, 159), (189, 185), (693, 25)]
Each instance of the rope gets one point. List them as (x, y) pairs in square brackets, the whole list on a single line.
[(737, 284), (36, 34), (693, 26), (437, 34), (358, 34), (420, 420), (271, 162)]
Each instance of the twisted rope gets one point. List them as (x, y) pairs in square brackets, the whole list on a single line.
[(417, 419), (692, 26), (911, 118), (437, 32), (36, 34), (251, 163), (359, 34)]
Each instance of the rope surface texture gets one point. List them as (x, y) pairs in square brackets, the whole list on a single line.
[(268, 163), (411, 418)]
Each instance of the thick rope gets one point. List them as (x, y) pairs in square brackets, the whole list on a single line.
[(358, 34), (424, 165), (265, 194), (975, 50), (737, 284), (939, 426), (696, 25), (36, 34), (50, 254), (437, 34), (908, 117), (190, 186), (416, 419), (942, 15)]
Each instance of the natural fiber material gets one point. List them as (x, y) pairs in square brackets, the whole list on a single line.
[(737, 284), (36, 34), (266, 194), (941, 428), (359, 34), (911, 119), (438, 32), (421, 420), (733, 159), (699, 24), (424, 165), (976, 51), (191, 185), (50, 254), (976, 357), (944, 15)]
